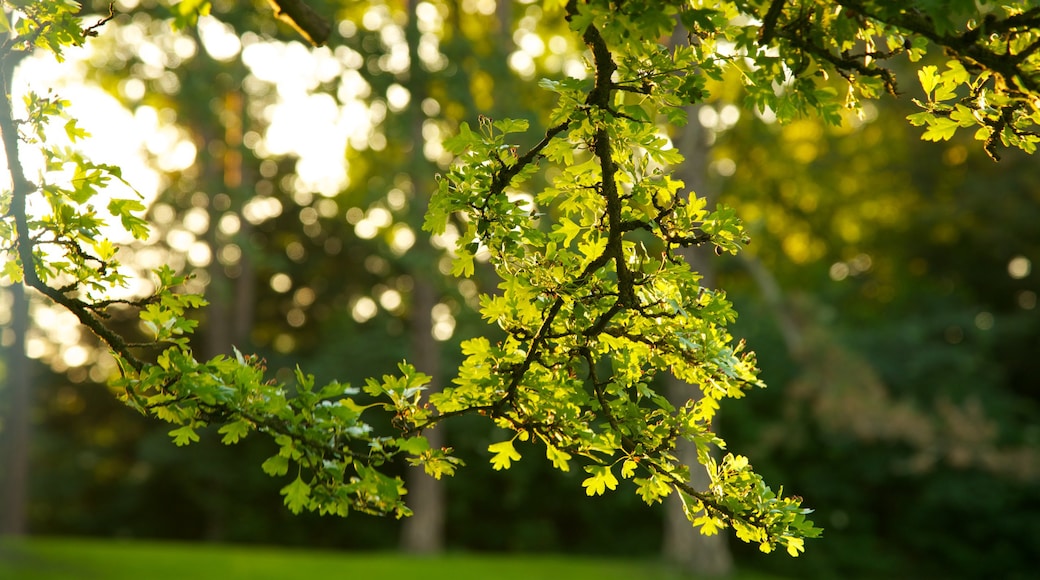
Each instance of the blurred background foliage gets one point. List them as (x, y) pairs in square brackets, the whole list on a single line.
[(889, 291)]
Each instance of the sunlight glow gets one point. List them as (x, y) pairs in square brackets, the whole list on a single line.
[(724, 167), (230, 254), (364, 309), (219, 39), (396, 199), (229, 224), (523, 64), (196, 220), (839, 271), (179, 240), (375, 219), (429, 17), (430, 54), (260, 209), (304, 297), (403, 239), (485, 7), (1019, 267), (530, 43), (390, 299), (397, 97), (296, 318), (75, 356), (199, 254), (281, 283), (443, 322)]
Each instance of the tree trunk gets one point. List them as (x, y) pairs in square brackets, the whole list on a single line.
[(16, 428), (423, 533), (229, 314), (695, 553)]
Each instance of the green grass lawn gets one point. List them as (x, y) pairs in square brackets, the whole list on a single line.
[(83, 559)]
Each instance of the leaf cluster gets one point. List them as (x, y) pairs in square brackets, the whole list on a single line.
[(596, 297), (990, 50)]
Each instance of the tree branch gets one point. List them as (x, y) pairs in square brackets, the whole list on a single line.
[(304, 19), (21, 189)]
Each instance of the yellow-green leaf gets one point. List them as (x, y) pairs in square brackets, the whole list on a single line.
[(601, 480), (709, 526), (558, 457), (794, 545), (928, 78), (628, 468), (505, 454)]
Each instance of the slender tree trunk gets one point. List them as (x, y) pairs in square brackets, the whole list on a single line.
[(700, 555), (245, 291), (423, 533), (16, 429), (242, 311), (226, 307), (231, 301)]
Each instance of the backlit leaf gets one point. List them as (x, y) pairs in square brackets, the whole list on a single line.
[(505, 454)]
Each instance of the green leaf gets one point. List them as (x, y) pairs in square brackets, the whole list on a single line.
[(962, 116), (463, 266), (940, 129), (463, 140), (184, 436), (13, 270), (235, 431), (955, 74), (186, 12), (919, 119), (569, 229), (505, 454), (511, 125), (945, 91), (276, 465), (123, 209), (297, 495), (74, 131), (413, 445)]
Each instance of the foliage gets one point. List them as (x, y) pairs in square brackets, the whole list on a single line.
[(908, 387), (596, 297)]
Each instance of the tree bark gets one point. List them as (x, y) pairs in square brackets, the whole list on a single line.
[(423, 533), (16, 429)]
